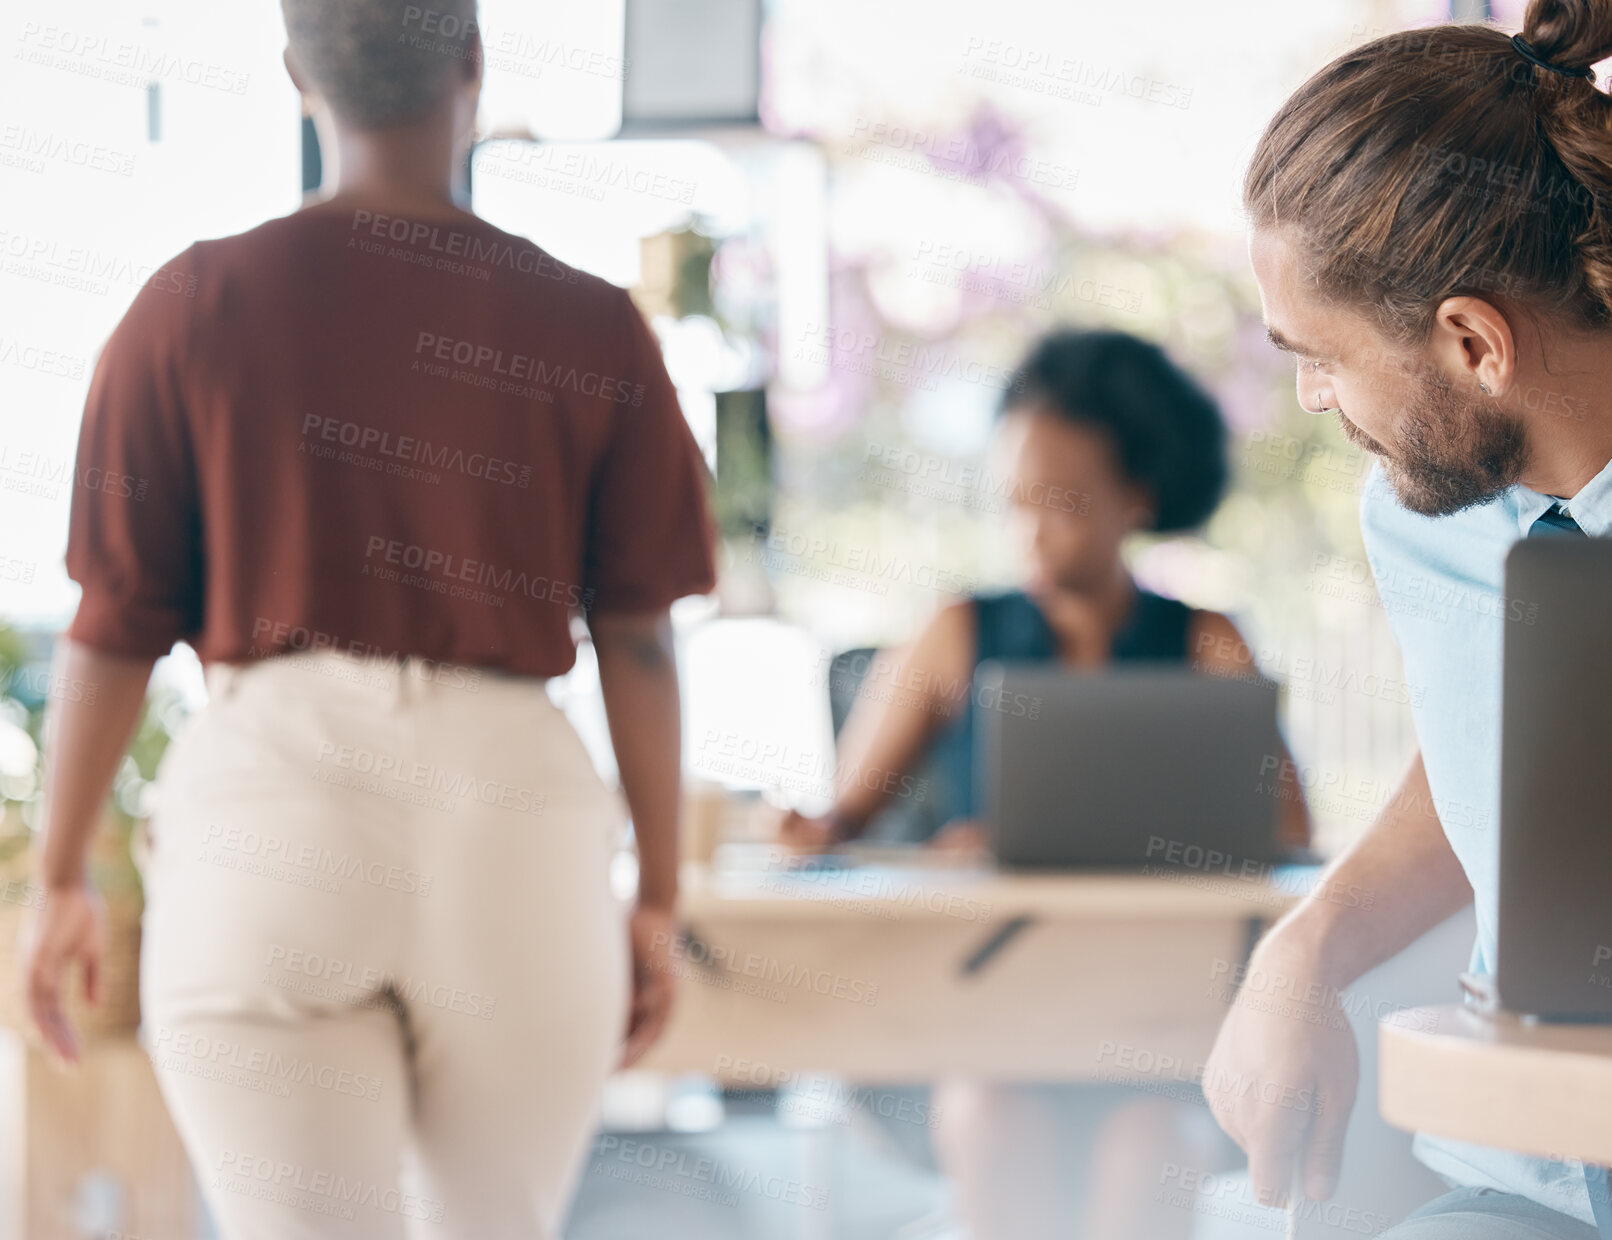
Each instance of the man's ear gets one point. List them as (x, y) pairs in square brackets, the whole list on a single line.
[(1473, 337)]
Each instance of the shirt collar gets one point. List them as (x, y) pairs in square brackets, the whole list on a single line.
[(1591, 508)]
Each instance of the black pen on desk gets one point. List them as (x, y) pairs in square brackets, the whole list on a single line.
[(1005, 934)]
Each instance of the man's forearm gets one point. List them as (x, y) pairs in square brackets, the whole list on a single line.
[(86, 735), (1402, 879), (638, 676)]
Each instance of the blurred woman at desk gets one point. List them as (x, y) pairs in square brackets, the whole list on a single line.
[(1103, 437)]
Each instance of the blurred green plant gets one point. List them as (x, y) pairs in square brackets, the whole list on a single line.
[(19, 762), (24, 694), (1295, 480)]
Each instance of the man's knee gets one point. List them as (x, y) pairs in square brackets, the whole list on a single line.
[(1484, 1214)]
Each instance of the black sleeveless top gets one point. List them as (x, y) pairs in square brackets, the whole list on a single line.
[(1010, 626)]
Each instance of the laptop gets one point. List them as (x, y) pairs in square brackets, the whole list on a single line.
[(1555, 918), (1149, 766)]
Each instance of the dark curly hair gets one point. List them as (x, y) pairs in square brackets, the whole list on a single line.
[(1168, 431)]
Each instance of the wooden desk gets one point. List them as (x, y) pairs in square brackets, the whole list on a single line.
[(1496, 1080), (875, 974)]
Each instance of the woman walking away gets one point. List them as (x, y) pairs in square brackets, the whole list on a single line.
[(389, 453)]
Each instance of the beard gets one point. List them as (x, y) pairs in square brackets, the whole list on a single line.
[(1452, 452)]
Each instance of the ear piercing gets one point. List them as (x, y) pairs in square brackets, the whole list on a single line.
[(1484, 388)]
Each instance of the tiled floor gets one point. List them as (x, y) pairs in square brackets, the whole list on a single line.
[(754, 1176)]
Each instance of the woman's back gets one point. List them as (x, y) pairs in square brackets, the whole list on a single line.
[(400, 437)]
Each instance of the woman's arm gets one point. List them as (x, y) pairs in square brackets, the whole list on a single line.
[(638, 676), (908, 695), (1216, 648), (85, 739)]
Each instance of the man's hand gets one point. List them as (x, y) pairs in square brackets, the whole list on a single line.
[(653, 931), (1283, 1075), (71, 926), (1281, 1080)]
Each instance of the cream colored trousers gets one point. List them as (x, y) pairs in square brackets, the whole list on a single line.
[(383, 977)]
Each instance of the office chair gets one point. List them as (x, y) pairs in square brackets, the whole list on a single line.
[(904, 820)]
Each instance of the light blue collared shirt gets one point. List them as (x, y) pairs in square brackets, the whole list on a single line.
[(1442, 583)]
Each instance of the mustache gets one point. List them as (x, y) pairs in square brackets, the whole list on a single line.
[(1358, 437)]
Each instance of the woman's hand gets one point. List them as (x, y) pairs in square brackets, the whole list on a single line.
[(652, 931), (809, 833), (85, 736), (962, 837), (71, 925)]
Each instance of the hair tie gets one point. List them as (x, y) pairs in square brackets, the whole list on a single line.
[(1525, 49)]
